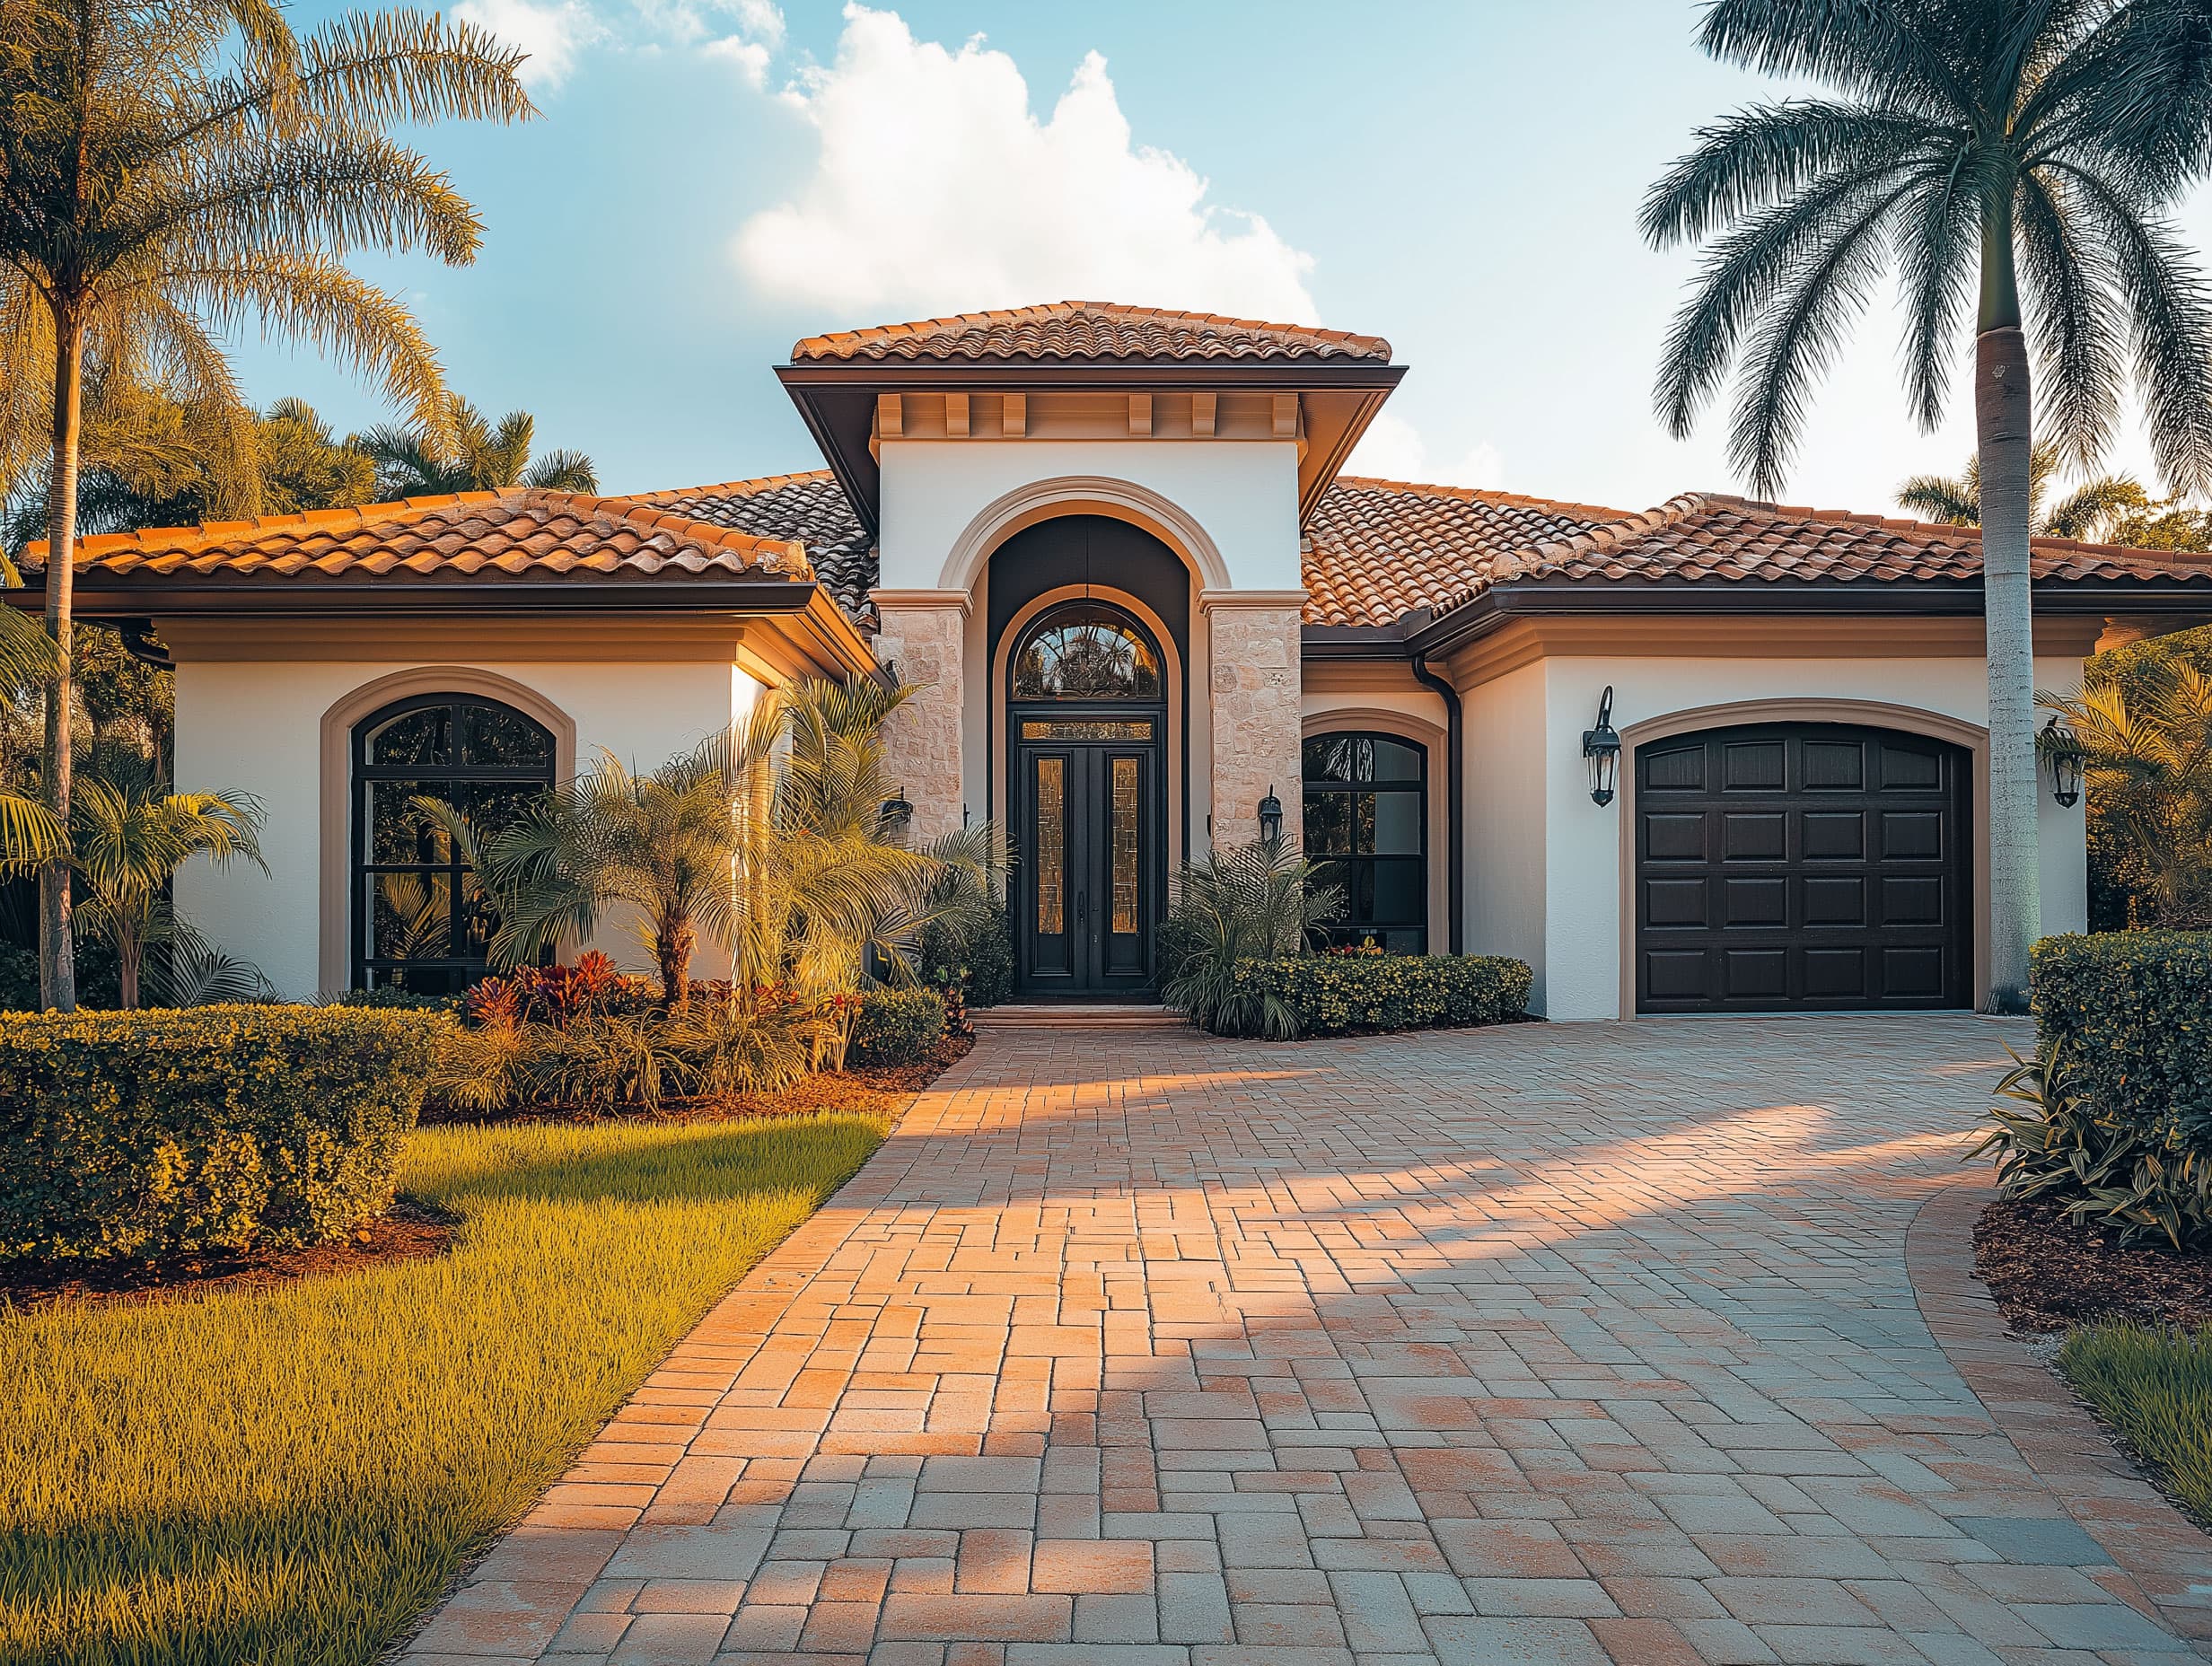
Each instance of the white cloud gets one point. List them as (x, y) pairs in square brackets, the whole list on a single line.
[(554, 32), (551, 33), (1393, 448), (937, 189)]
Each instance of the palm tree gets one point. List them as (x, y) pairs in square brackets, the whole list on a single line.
[(657, 845), (2093, 508), (1985, 150), (128, 836), (172, 170), (414, 462)]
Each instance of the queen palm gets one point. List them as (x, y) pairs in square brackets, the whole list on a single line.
[(471, 455), (2020, 158), (173, 168), (2091, 510)]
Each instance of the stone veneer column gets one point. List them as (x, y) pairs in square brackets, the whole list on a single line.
[(1256, 689), (924, 632)]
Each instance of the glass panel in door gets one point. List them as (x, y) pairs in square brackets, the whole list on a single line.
[(1052, 946)]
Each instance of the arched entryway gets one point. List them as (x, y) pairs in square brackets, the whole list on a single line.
[(1086, 706)]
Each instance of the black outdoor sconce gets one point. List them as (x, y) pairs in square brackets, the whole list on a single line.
[(1270, 817), (2062, 756), (1601, 747), (896, 811)]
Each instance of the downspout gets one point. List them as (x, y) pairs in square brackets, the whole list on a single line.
[(1455, 771)]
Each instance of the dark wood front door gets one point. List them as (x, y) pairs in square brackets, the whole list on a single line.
[(1091, 860), (1799, 867)]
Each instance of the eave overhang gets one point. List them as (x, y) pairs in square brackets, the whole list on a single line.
[(835, 399), (2176, 604)]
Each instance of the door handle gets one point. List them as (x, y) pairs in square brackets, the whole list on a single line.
[(1080, 898)]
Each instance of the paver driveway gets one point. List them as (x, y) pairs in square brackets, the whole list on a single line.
[(1550, 1343)]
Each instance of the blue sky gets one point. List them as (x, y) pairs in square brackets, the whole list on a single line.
[(712, 178)]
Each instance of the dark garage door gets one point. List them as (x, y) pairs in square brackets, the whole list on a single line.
[(1798, 866)]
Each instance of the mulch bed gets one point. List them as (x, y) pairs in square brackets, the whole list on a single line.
[(2049, 1274), (411, 1231), (878, 1089)]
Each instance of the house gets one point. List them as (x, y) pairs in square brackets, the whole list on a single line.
[(1115, 544)]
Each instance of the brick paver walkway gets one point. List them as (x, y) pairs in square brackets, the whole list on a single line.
[(1575, 1343)]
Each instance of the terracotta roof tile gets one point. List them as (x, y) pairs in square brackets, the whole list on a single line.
[(808, 508), (1091, 330), (529, 535), (1379, 549)]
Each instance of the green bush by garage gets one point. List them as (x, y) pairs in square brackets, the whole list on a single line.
[(137, 1134), (896, 1027), (2113, 1119)]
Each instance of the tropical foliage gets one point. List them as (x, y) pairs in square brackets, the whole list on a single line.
[(2146, 753), (2017, 165), (466, 453), (172, 172), (2088, 513), (1240, 904)]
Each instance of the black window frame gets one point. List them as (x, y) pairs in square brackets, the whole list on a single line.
[(1346, 870), (1062, 614), (456, 969)]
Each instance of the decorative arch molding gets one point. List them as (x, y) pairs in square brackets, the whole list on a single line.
[(1075, 494), (1381, 719), (334, 948), (1173, 674), (1973, 739)]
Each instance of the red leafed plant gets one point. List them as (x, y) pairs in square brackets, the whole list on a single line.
[(556, 994)]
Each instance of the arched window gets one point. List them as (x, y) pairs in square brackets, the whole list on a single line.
[(1366, 831), (1086, 650), (420, 920)]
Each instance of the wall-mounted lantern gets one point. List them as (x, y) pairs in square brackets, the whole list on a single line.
[(897, 812), (1601, 747), (2062, 757), (1270, 817)]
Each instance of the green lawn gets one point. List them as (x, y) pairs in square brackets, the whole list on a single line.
[(2155, 1388), (294, 1476)]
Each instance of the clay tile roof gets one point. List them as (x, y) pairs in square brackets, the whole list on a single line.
[(1379, 549), (1091, 330), (811, 508), (524, 534)]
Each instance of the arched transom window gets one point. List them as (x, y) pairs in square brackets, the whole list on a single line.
[(1086, 650), (1366, 831), (420, 919)]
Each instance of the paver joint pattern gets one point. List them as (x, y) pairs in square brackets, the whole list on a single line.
[(1545, 1343)]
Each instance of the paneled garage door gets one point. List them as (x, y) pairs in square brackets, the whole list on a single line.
[(1801, 865)]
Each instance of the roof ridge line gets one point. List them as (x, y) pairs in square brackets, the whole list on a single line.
[(1483, 494)]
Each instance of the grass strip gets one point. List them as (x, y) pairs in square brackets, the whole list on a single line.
[(2155, 1388), (294, 1476)]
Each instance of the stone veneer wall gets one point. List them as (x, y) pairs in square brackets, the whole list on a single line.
[(1253, 648), (926, 639)]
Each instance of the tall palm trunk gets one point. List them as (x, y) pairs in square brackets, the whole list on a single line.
[(2003, 423), (672, 946), (57, 966)]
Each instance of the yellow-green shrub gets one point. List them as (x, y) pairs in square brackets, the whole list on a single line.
[(1334, 993), (896, 1027), (132, 1133)]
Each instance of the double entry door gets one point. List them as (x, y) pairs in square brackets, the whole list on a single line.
[(1090, 857)]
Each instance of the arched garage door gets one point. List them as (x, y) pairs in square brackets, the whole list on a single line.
[(1798, 866)]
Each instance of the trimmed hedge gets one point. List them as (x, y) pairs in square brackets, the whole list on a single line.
[(2132, 1013), (137, 1134), (1335, 993), (896, 1027)]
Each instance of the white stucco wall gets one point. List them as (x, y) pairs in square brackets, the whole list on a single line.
[(1579, 972), (257, 727), (1245, 493), (1508, 817)]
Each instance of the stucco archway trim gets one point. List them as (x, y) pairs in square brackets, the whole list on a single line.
[(1972, 738), (334, 946), (1082, 494)]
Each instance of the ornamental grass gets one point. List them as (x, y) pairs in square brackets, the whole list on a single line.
[(296, 1474), (2155, 1388)]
